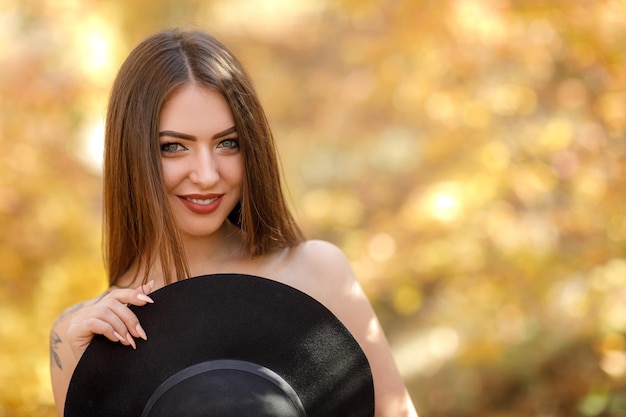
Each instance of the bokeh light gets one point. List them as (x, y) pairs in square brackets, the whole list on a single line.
[(469, 156)]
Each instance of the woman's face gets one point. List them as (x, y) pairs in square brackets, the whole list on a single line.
[(201, 160)]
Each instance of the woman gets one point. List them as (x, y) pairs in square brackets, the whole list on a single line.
[(191, 188)]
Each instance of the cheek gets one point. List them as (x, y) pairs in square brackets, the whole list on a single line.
[(170, 174), (232, 171)]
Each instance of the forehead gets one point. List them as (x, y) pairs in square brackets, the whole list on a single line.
[(196, 110)]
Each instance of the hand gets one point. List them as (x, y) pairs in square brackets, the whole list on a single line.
[(111, 317)]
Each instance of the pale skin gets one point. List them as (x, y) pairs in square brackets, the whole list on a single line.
[(200, 158)]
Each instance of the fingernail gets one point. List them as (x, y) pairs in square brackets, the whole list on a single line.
[(151, 284), (145, 298), (119, 336), (131, 341), (141, 332)]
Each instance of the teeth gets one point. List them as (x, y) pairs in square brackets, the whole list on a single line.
[(203, 202)]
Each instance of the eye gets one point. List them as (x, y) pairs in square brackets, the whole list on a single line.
[(172, 147), (230, 143)]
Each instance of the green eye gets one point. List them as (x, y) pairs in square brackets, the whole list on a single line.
[(231, 143), (172, 147)]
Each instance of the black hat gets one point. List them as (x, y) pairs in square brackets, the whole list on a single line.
[(227, 345)]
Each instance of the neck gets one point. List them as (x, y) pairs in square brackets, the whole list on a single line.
[(205, 255)]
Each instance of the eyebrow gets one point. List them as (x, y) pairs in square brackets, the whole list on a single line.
[(179, 135)]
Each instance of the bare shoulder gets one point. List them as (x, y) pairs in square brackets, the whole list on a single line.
[(60, 326), (315, 248), (323, 271), (321, 257), (63, 318), (326, 275)]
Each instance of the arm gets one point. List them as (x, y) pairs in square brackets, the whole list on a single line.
[(74, 329), (340, 291)]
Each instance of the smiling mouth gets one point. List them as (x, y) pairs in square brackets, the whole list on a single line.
[(201, 201)]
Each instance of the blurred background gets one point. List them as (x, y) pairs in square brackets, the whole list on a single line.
[(468, 155)]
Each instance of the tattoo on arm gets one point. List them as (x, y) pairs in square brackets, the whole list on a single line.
[(103, 295), (67, 312), (55, 340)]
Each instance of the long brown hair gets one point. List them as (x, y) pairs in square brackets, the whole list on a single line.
[(138, 224)]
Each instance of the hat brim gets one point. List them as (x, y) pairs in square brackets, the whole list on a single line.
[(233, 317)]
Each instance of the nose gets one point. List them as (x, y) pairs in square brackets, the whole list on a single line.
[(204, 170)]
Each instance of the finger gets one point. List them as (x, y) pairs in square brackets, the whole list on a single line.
[(147, 287), (118, 300), (124, 337), (128, 340), (134, 296), (145, 298), (141, 332), (141, 294), (131, 341), (107, 322), (124, 320), (144, 290), (84, 330), (111, 317)]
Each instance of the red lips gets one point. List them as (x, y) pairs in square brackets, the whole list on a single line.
[(202, 203)]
